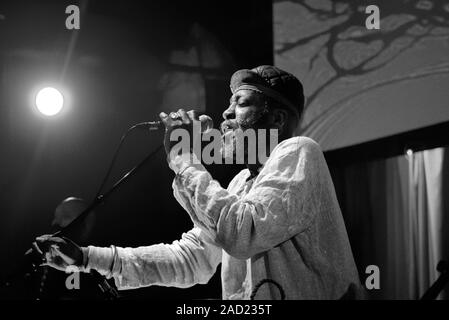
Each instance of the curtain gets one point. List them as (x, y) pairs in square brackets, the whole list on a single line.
[(396, 213)]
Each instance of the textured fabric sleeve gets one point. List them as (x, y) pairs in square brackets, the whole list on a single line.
[(282, 202), (184, 263)]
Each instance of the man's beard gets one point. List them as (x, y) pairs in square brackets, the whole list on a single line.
[(229, 142), (228, 146)]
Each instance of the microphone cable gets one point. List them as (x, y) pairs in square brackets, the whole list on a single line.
[(116, 153), (264, 281)]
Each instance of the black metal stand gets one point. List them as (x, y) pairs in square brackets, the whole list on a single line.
[(102, 198), (32, 260)]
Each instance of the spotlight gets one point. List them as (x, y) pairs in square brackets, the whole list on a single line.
[(409, 152), (49, 101)]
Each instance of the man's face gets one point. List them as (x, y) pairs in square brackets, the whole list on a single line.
[(247, 110)]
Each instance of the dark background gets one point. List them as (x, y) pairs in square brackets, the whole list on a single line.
[(112, 79), (129, 61)]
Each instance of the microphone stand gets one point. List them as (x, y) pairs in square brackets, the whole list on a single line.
[(102, 198), (32, 258)]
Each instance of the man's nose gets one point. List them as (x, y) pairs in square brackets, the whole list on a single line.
[(229, 113)]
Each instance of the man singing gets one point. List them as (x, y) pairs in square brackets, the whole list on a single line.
[(277, 221)]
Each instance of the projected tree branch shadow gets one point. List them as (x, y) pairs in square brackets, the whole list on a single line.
[(335, 32)]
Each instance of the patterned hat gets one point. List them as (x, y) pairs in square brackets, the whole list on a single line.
[(273, 82)]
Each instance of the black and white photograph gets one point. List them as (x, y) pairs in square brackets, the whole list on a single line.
[(215, 153)]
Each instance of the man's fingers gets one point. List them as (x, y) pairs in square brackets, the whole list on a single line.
[(36, 248), (42, 245), (178, 118), (184, 116), (43, 237), (164, 118), (194, 115), (46, 244), (169, 121), (48, 240), (57, 240)]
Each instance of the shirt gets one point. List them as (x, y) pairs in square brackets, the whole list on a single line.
[(284, 225)]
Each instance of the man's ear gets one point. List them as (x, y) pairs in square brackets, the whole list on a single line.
[(280, 118)]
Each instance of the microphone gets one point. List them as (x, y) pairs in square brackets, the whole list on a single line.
[(206, 124)]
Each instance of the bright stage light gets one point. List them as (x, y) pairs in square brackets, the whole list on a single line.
[(49, 101)]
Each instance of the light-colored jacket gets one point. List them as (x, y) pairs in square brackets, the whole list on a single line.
[(283, 225)]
